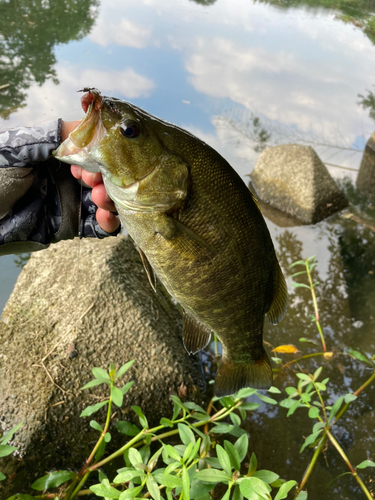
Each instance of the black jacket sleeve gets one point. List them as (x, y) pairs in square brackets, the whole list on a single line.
[(40, 201)]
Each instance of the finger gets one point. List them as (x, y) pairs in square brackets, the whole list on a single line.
[(92, 179), (100, 197), (108, 221), (76, 171)]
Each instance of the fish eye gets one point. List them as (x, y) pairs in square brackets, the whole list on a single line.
[(130, 129)]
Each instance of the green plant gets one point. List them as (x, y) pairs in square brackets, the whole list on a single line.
[(6, 449), (188, 470)]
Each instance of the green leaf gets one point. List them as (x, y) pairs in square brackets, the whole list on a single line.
[(194, 451), (117, 396), (237, 495), (195, 407), (317, 373), (252, 465), (135, 457), (172, 452), (120, 372), (233, 455), (185, 483), (6, 450), (304, 376), (284, 489), (252, 486), (302, 495), (313, 412), (100, 451), (293, 408), (52, 480), (274, 390), (93, 383), (222, 428), (2, 477), (213, 476), (187, 452), (8, 436), (266, 475), (127, 428), (199, 489), (127, 474), (235, 419), (366, 463), (310, 341), (152, 487), (107, 437), (298, 274), (166, 421), (130, 493), (100, 373), (167, 480), (245, 393), (186, 434), (310, 439), (335, 408), (241, 446), (300, 285), (297, 263), (250, 406), (142, 418), (224, 459), (349, 397), (266, 399), (92, 409), (361, 357), (311, 259), (125, 388), (94, 424)]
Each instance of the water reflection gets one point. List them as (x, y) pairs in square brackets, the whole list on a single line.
[(368, 102), (30, 30)]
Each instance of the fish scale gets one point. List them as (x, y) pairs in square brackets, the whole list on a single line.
[(197, 228)]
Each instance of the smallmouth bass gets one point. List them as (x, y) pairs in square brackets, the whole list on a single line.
[(197, 228)]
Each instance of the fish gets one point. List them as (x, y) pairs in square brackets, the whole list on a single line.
[(197, 227)]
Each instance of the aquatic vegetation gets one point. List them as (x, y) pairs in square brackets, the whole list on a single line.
[(212, 446)]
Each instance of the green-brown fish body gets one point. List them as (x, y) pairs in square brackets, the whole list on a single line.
[(197, 227)]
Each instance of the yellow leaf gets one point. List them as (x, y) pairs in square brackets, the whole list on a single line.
[(286, 349), (328, 355)]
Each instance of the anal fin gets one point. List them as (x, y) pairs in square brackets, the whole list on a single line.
[(196, 335), (148, 268)]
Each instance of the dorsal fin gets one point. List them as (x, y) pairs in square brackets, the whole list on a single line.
[(196, 335), (148, 268), (279, 304)]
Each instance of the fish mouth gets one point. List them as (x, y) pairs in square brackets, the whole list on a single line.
[(79, 147)]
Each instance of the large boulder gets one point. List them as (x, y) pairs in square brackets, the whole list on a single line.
[(366, 174), (77, 305), (293, 179)]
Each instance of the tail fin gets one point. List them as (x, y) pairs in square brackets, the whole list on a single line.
[(231, 377)]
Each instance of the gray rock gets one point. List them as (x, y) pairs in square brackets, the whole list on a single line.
[(91, 296), (366, 174), (293, 179)]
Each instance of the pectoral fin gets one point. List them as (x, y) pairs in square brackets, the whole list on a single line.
[(149, 270), (184, 241), (196, 335)]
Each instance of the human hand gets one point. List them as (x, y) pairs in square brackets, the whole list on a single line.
[(105, 217)]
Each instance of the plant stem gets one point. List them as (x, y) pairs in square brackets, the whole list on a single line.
[(312, 463), (315, 306), (350, 467), (356, 393)]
